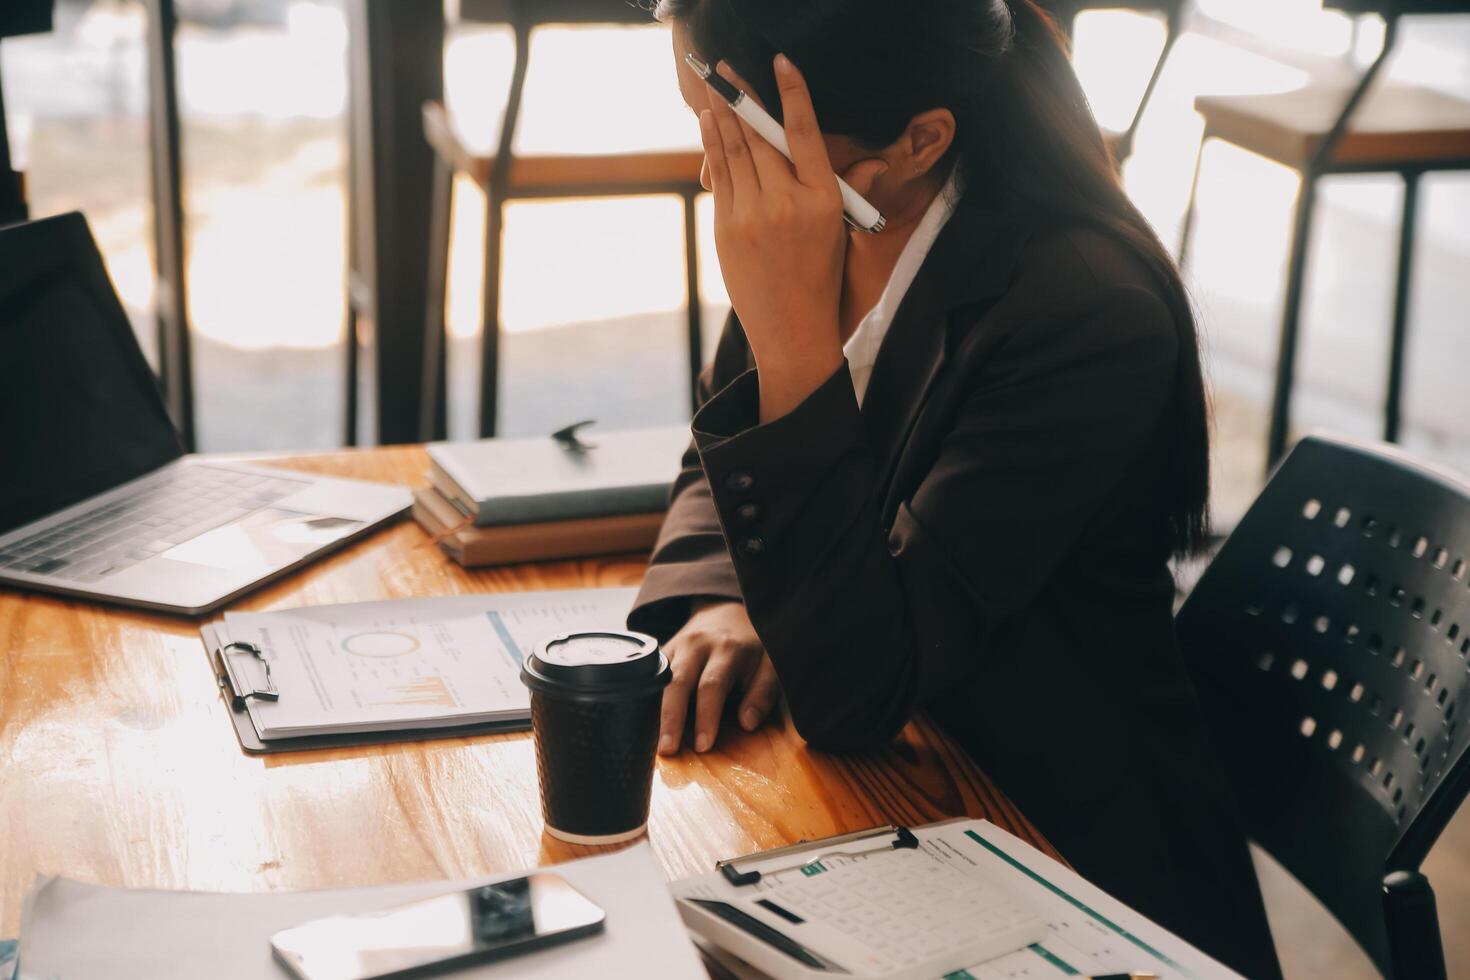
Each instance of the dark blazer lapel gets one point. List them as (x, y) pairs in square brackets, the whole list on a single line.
[(971, 262)]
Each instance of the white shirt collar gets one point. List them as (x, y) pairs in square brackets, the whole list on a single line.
[(862, 347)]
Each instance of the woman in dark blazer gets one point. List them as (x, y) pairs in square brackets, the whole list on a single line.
[(944, 467)]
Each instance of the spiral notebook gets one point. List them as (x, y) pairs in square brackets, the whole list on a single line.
[(392, 671)]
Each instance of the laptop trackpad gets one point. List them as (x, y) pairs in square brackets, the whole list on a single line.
[(263, 541)]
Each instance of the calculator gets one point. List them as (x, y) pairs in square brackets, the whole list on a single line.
[(898, 915)]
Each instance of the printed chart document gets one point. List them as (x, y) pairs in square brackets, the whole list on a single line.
[(409, 664), (79, 931), (1088, 931)]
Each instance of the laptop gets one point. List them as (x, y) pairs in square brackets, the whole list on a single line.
[(97, 498)]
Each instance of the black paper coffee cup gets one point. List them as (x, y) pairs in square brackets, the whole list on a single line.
[(595, 700)]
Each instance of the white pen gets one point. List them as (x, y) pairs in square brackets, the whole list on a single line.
[(855, 208)]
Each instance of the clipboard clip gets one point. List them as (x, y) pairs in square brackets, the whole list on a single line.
[(241, 690), (901, 839)]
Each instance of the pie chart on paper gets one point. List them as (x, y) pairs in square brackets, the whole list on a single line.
[(380, 644)]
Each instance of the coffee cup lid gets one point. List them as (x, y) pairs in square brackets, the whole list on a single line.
[(607, 662)]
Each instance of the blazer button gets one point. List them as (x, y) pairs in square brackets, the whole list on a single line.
[(752, 547), (748, 513), (740, 481)]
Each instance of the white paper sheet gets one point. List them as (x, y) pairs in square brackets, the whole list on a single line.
[(413, 663), (75, 931), (1089, 931)]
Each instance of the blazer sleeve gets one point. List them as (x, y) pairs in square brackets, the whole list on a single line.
[(866, 624), (689, 560)]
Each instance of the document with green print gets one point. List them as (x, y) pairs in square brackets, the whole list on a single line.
[(871, 904), (1089, 933), (902, 904)]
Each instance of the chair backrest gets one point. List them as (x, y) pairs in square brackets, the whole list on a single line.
[(1329, 641)]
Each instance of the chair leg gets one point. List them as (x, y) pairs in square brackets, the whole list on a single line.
[(696, 301), (1413, 927), (433, 410), (1393, 409), (496, 191), (490, 318), (1291, 321), (350, 349), (1175, 27), (1320, 164), (1192, 205)]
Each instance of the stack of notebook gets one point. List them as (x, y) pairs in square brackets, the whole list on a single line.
[(499, 501)]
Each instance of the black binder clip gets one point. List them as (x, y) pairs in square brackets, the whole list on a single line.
[(570, 439), (903, 839), (241, 690)]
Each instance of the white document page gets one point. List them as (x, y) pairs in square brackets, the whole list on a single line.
[(412, 663), (1089, 931), (77, 931)]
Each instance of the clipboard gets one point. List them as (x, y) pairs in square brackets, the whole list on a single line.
[(740, 871), (242, 675), (1090, 933)]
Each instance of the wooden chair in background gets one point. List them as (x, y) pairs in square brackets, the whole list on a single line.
[(1174, 11), (1329, 129), (504, 177)]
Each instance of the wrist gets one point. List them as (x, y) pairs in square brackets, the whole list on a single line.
[(790, 378)]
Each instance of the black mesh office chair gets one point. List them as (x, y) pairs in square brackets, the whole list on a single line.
[(1330, 642)]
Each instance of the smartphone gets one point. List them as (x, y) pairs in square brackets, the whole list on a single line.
[(439, 934)]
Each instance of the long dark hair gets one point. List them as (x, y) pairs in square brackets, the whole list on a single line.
[(1026, 138)]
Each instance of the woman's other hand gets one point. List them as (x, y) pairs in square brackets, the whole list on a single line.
[(781, 239), (716, 654)]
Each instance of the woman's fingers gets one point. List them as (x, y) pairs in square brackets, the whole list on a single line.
[(808, 149), (689, 660), (736, 151), (761, 695), (773, 169), (713, 691)]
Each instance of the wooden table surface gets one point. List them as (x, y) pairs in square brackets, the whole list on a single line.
[(118, 764)]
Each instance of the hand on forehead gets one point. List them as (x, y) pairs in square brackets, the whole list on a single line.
[(843, 150)]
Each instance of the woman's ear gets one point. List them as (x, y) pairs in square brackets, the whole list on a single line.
[(926, 140)]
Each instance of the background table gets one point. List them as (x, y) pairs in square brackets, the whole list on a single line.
[(118, 763)]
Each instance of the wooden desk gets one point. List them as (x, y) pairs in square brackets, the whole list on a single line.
[(118, 764)]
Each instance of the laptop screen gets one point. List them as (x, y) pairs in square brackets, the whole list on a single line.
[(80, 408)]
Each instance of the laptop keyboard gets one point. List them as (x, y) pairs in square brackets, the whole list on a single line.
[(161, 513)]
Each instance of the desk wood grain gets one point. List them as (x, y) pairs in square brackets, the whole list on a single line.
[(118, 764)]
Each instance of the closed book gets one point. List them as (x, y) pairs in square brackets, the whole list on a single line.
[(534, 481), (476, 547)]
